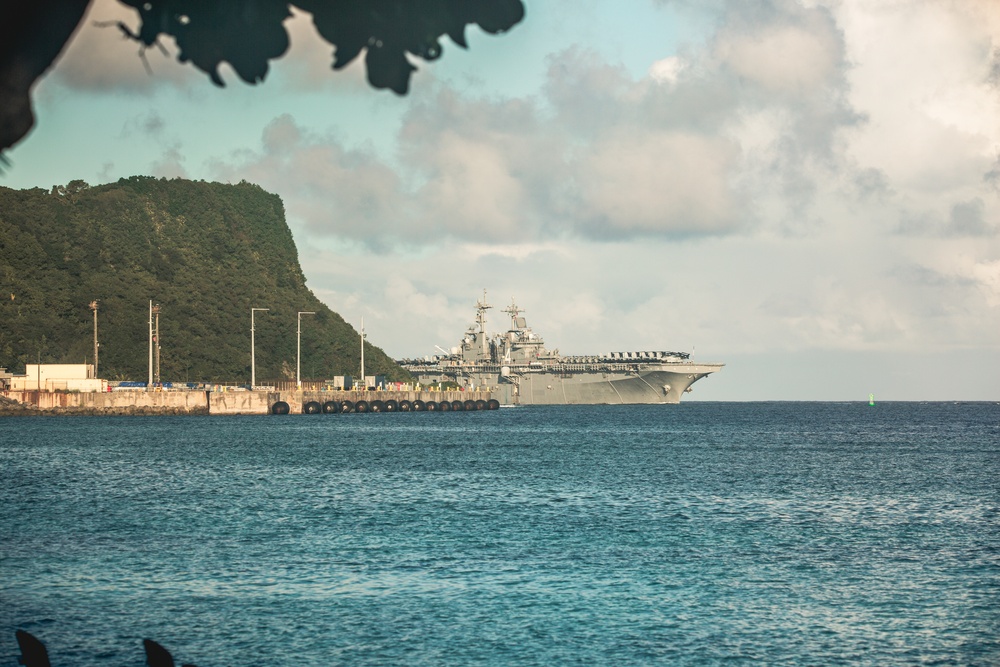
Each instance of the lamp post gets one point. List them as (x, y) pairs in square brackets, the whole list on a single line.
[(149, 384), (93, 307), (298, 350), (156, 343), (253, 360)]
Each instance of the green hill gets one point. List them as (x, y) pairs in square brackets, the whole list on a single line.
[(205, 252)]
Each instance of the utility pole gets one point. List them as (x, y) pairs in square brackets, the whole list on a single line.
[(253, 360), (93, 307), (364, 382), (149, 383), (156, 341), (298, 350)]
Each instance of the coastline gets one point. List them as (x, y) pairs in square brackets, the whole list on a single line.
[(143, 403)]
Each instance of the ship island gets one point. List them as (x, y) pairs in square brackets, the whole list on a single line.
[(519, 370)]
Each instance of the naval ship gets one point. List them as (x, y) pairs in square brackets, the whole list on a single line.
[(519, 370)]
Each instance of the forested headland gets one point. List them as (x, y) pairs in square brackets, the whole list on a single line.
[(204, 252)]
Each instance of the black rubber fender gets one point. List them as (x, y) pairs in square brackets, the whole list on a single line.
[(280, 408), (405, 406), (362, 407), (457, 406), (419, 406), (469, 406), (346, 406), (331, 408), (391, 405), (480, 404), (376, 406), (493, 404), (312, 408)]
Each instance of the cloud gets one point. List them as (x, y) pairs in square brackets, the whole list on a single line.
[(920, 76), (598, 155), (170, 164), (815, 175), (659, 183), (100, 58), (667, 70), (332, 190), (794, 53), (967, 219)]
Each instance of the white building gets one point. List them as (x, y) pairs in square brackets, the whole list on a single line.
[(57, 377)]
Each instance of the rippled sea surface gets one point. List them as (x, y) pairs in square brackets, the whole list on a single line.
[(698, 534)]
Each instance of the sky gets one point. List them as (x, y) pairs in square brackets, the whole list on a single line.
[(805, 190)]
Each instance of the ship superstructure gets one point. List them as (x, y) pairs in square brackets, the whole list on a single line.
[(519, 369)]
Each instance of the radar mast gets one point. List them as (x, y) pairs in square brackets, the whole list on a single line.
[(515, 321)]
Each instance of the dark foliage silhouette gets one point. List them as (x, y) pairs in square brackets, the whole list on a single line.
[(245, 33), (33, 653)]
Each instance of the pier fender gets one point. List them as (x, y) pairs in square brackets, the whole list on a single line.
[(312, 408), (405, 406), (443, 406), (493, 404), (391, 405), (469, 406), (331, 408), (419, 406), (480, 404), (361, 407), (280, 408), (346, 406), (377, 406), (457, 406)]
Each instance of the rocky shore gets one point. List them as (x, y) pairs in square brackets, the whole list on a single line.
[(12, 408), (9, 408)]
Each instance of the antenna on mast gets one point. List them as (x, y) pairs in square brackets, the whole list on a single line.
[(481, 308)]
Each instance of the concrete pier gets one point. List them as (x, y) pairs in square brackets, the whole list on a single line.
[(143, 402)]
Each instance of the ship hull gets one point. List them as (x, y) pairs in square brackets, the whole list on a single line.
[(545, 387)]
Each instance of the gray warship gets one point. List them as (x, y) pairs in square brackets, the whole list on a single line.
[(519, 370)]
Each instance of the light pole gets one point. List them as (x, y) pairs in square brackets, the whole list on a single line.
[(253, 360), (298, 350), (149, 384), (156, 341), (364, 382), (93, 307)]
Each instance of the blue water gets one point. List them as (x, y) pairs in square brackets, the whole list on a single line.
[(698, 534)]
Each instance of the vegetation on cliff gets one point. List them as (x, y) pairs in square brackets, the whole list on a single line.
[(205, 252)]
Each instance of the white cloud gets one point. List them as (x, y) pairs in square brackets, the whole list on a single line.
[(170, 164), (668, 70), (656, 183), (783, 58), (101, 58), (921, 76)]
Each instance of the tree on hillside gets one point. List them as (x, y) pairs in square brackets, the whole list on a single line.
[(245, 33)]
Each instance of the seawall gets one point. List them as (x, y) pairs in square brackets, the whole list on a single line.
[(205, 402)]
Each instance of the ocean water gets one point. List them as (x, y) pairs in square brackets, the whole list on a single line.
[(698, 534)]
